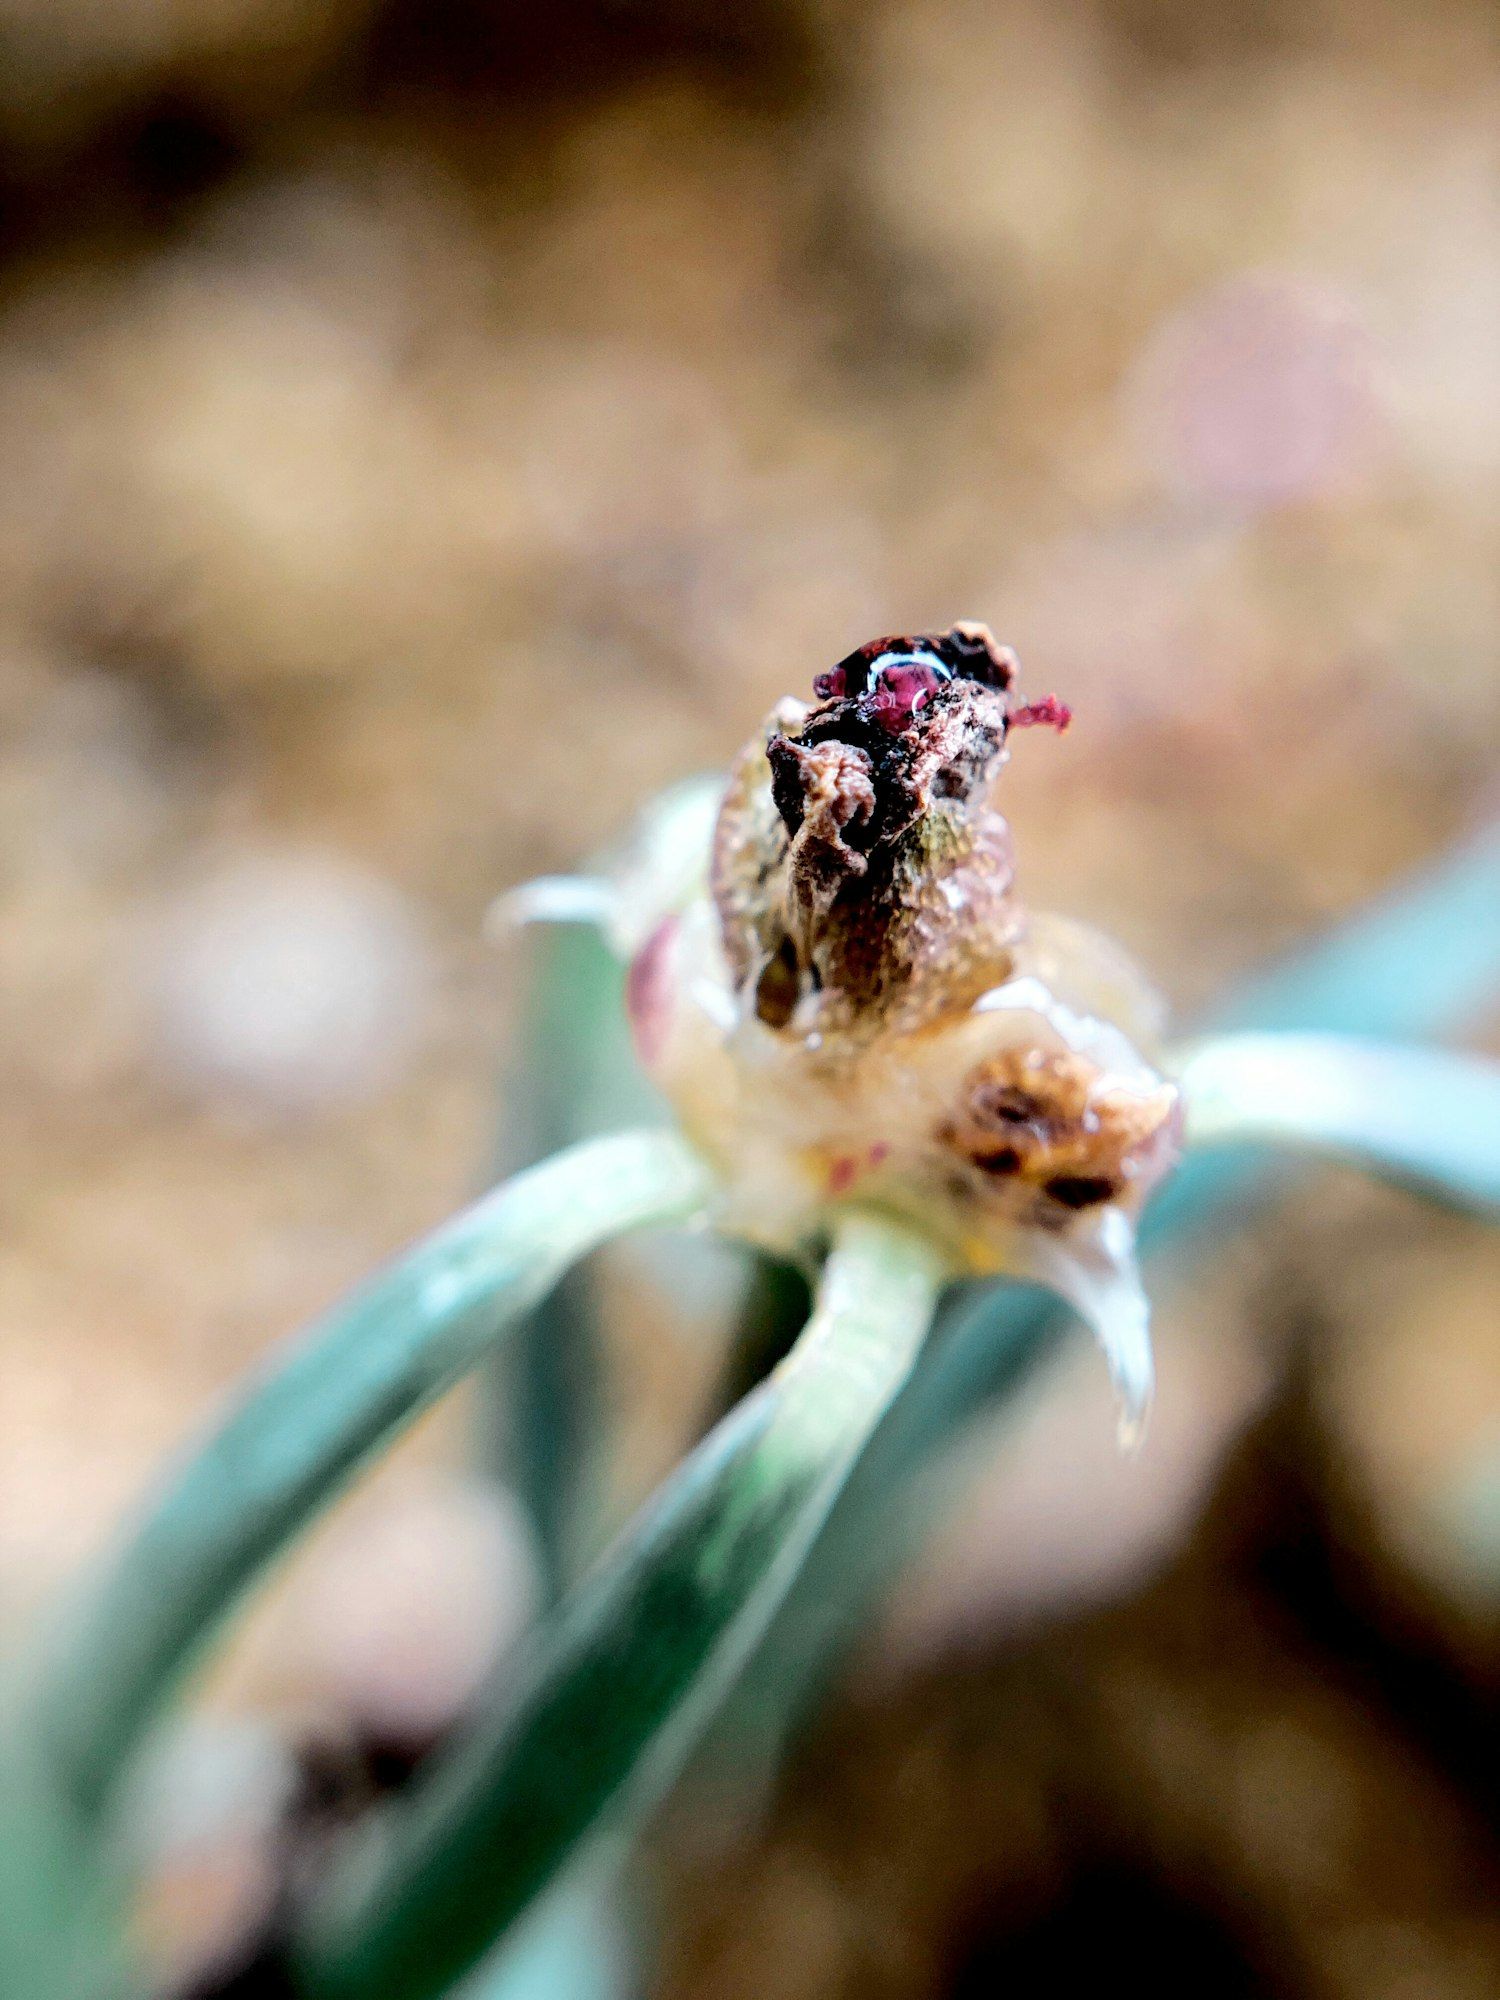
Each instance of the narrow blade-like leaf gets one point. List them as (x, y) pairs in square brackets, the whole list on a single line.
[(324, 1406), (572, 1076), (1428, 1117), (613, 1702)]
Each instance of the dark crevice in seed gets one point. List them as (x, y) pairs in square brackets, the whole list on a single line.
[(778, 988), (1080, 1190), (1007, 1106)]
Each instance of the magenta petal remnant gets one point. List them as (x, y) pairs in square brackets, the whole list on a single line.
[(649, 992), (1049, 713)]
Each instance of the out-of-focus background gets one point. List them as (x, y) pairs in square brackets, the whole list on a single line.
[(428, 428)]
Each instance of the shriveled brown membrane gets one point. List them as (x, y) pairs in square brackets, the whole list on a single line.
[(881, 881), (860, 1008)]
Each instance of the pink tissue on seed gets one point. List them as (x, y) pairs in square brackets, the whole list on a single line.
[(648, 992), (1048, 713)]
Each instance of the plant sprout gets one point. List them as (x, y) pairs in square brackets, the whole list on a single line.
[(882, 1068), (855, 1008)]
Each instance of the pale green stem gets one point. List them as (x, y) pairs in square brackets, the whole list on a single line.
[(616, 1696), (319, 1412)]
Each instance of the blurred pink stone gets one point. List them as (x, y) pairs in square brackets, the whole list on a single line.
[(201, 1819), (411, 1599), (1259, 392)]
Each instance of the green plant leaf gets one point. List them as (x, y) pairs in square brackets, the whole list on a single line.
[(1428, 1117), (573, 1075), (572, 1946), (1419, 964), (615, 1697), (62, 1896), (322, 1408)]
